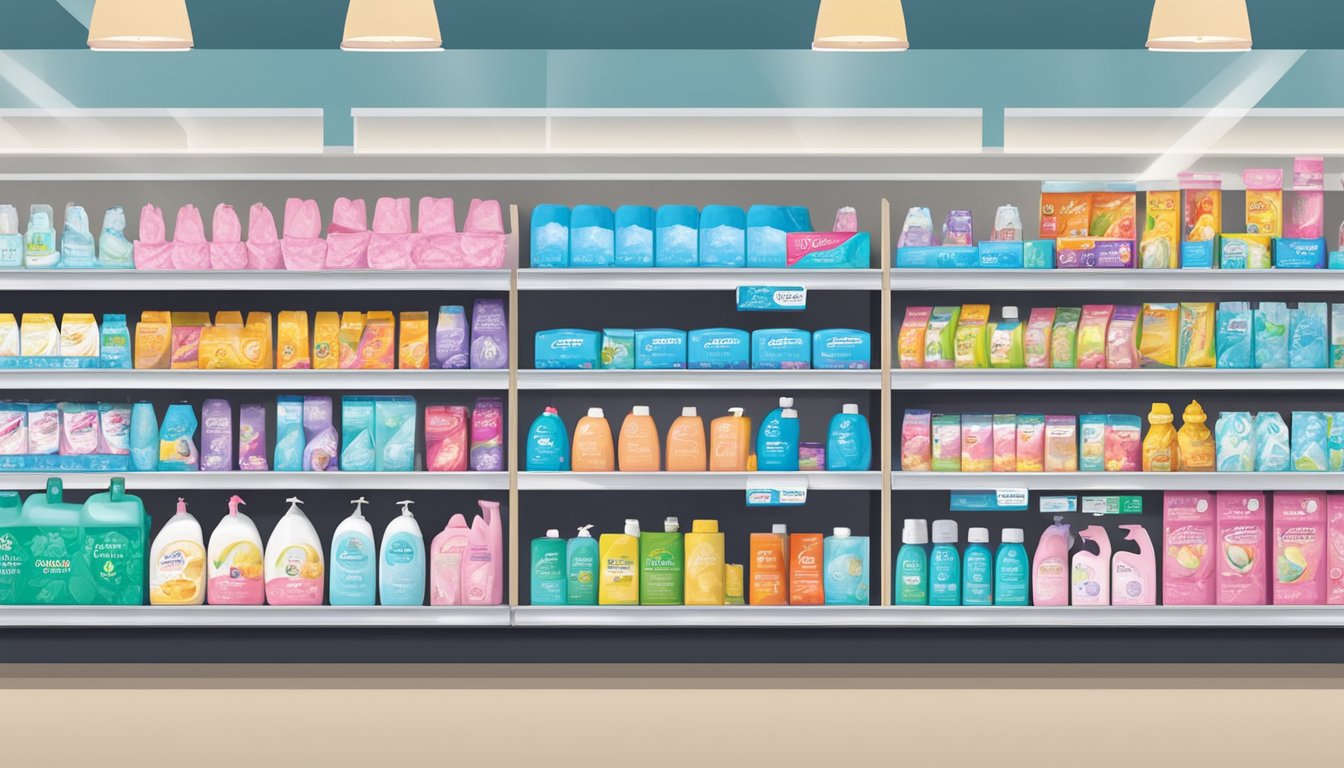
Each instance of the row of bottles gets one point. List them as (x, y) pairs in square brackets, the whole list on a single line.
[(728, 448)]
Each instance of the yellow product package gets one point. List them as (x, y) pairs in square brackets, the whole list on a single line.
[(79, 335), (413, 349), (378, 344), (1161, 247), (260, 328), (9, 335), (1197, 335), (292, 341), (352, 330), (186, 336), (231, 345), (1264, 201), (39, 336), (969, 341), (154, 340), (326, 341), (1159, 335)]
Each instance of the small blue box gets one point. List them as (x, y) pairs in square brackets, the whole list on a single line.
[(938, 257), (723, 236), (1199, 254), (634, 236), (718, 349), (550, 236), (660, 348), (998, 254), (676, 242), (1337, 259), (592, 237), (567, 348), (1299, 254), (771, 298), (1038, 254), (768, 227), (781, 348), (841, 348)]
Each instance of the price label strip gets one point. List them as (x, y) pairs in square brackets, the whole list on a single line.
[(771, 298)]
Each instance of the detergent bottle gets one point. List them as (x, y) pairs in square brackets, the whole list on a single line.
[(549, 584), (1161, 453), (401, 561), (637, 449), (1092, 570), (548, 443), (662, 565), (47, 574), (1195, 441), (705, 564), (354, 565), (447, 556), (581, 558), (618, 571), (686, 443), (1050, 566), (730, 442), (177, 561), (294, 567), (116, 533), (849, 443), (1134, 575), (777, 443), (593, 451), (483, 572), (236, 560), (11, 559)]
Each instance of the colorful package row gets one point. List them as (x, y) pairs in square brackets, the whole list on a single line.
[(1020, 443), (703, 349), (78, 342)]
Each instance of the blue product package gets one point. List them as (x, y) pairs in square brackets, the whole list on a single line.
[(115, 343), (1092, 442), (592, 237), (1299, 254), (1000, 254), (1337, 259), (394, 426), (938, 257), (660, 348), (634, 236), (830, 250), (357, 446), (1335, 440), (1272, 443), (1234, 442), (1271, 335), (841, 348), (676, 241), (778, 348), (771, 298), (1308, 336), (723, 236), (1310, 442), (289, 437), (718, 349), (768, 227), (618, 349), (1234, 337), (1198, 254), (568, 348), (550, 236), (1038, 254)]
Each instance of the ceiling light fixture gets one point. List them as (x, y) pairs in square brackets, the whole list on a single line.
[(860, 25), (140, 25), (392, 25), (1200, 25)]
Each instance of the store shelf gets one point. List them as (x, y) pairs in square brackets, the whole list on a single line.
[(694, 616), (1148, 379), (254, 280), (1118, 481), (191, 617), (93, 378), (355, 481), (1149, 280), (696, 481), (699, 380), (700, 279)]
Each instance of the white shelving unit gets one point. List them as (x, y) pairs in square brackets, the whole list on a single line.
[(699, 380), (253, 280), (353, 481), (93, 378), (697, 481), (1118, 481), (272, 616), (1147, 379), (703, 279), (1144, 280)]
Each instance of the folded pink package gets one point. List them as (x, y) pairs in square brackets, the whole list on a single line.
[(392, 241), (348, 235), (152, 250), (484, 244), (263, 242), (226, 245), (303, 248)]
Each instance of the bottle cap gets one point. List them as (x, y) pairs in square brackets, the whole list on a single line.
[(1012, 535), (596, 413), (181, 506), (551, 411), (788, 413), (359, 506), (704, 526), (916, 532), (552, 533), (671, 525), (944, 531), (689, 411), (406, 508), (1010, 313), (978, 535), (737, 411), (840, 533), (632, 527), (640, 410), (779, 528), (851, 409), (583, 532), (786, 402)]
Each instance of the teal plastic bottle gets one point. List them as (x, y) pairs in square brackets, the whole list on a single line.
[(945, 565), (912, 565), (48, 540), (548, 443), (581, 569), (548, 569), (10, 558), (977, 569), (777, 441), (849, 443), (354, 560), (1012, 570), (401, 561), (115, 529), (845, 577)]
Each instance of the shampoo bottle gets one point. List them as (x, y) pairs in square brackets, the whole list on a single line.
[(593, 450), (401, 561), (1160, 450), (1012, 570), (483, 571), (548, 443), (912, 565), (730, 442), (1050, 567), (686, 443), (294, 567), (849, 444), (662, 565), (1134, 575), (945, 565), (618, 554), (354, 564), (638, 449), (144, 438), (846, 558), (1092, 571), (177, 561), (581, 569), (236, 560), (705, 563), (777, 443), (548, 569), (447, 558), (977, 569)]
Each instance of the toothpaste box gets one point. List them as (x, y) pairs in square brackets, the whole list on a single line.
[(1000, 254), (842, 348), (829, 250), (777, 348), (1299, 254), (1094, 253), (660, 348), (938, 257), (550, 236), (568, 348), (718, 348), (1038, 254)]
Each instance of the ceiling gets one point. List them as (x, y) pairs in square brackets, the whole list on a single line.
[(682, 24)]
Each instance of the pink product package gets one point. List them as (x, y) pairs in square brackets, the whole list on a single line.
[(1299, 548), (226, 245), (152, 249), (392, 240), (439, 245), (1188, 523), (252, 438), (80, 433), (1030, 443), (303, 248), (263, 241), (1243, 551), (977, 443), (348, 235), (1122, 347), (1306, 215), (1036, 344), (190, 248), (446, 438), (484, 243), (1005, 443), (1092, 330), (917, 441), (1334, 591), (13, 429)]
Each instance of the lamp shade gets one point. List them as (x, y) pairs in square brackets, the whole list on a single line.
[(1200, 25), (860, 25), (392, 25), (140, 25)]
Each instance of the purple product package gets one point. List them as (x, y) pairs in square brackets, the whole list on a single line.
[(324, 442), (811, 457), (489, 334), (252, 438), (450, 338), (216, 436), (958, 228), (1094, 253), (487, 435)]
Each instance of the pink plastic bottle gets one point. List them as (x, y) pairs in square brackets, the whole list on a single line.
[(1134, 574), (447, 556), (1050, 567), (1092, 570), (234, 561), (483, 572)]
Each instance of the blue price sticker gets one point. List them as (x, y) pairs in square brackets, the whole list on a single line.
[(771, 298)]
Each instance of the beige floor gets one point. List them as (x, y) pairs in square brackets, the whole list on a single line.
[(677, 716)]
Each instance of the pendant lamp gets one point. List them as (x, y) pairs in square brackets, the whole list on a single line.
[(860, 25), (392, 25), (140, 25), (1200, 25)]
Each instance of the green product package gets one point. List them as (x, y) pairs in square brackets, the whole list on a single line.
[(47, 538), (940, 350), (618, 348), (1064, 338), (662, 568), (115, 532)]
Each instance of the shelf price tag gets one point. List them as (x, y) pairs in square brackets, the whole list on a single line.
[(771, 298), (777, 495), (999, 500)]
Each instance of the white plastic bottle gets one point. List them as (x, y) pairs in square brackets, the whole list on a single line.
[(354, 560), (177, 561), (294, 565), (237, 561), (401, 561)]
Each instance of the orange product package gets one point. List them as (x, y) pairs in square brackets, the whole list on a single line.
[(352, 330), (1114, 214), (292, 348), (326, 341), (805, 569), (413, 349), (769, 569), (378, 343), (187, 338), (1065, 214), (154, 340)]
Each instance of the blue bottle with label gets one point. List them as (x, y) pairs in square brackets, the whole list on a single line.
[(547, 444), (912, 565), (581, 569), (849, 443), (548, 569), (845, 577), (1012, 570), (354, 561), (944, 565), (777, 441), (977, 569), (401, 561), (144, 438)]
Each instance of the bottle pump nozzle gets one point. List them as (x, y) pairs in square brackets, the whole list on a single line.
[(181, 506), (234, 501), (359, 506), (406, 508)]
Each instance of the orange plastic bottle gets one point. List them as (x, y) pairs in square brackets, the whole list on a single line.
[(729, 442), (593, 451), (638, 449), (686, 443), (770, 567)]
